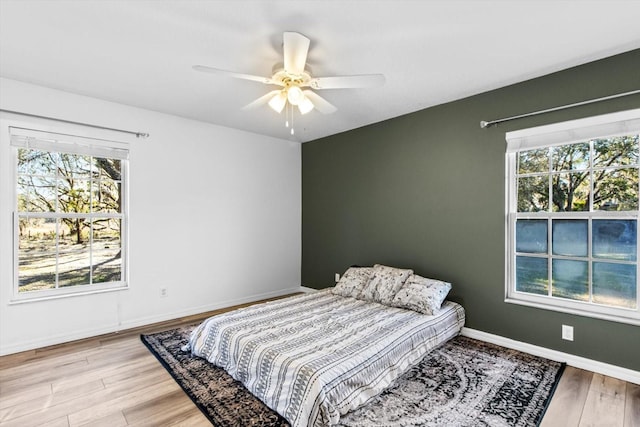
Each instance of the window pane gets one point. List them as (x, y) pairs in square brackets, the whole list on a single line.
[(74, 253), (36, 254), (615, 189), (570, 157), (106, 234), (533, 194), (618, 151), (533, 161), (570, 192), (34, 162), (106, 246), (106, 272), (615, 284), (36, 194), (37, 233), (108, 168), (73, 231), (106, 196), (74, 165), (73, 268), (615, 239), (531, 235), (570, 279), (570, 237), (74, 195), (532, 275)]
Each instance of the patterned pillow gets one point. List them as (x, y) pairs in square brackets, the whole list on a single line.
[(385, 282), (353, 281), (422, 295)]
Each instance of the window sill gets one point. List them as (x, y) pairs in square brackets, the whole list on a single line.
[(30, 299), (584, 313)]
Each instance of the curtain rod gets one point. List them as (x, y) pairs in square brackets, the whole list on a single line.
[(137, 134), (484, 124)]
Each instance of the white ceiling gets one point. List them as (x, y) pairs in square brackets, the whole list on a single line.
[(140, 53)]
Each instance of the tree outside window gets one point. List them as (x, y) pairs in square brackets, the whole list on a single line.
[(70, 219)]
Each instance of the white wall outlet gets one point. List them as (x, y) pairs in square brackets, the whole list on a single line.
[(163, 292), (567, 332), (337, 277)]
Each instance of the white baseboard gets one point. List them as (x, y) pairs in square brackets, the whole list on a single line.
[(307, 290), (54, 340), (559, 356)]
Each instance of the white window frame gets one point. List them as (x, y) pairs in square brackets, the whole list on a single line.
[(574, 131), (57, 142)]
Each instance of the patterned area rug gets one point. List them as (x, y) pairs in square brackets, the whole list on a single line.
[(464, 382)]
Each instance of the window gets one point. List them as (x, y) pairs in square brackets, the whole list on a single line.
[(572, 216), (70, 215)]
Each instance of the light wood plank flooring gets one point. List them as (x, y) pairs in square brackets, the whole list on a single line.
[(113, 381)]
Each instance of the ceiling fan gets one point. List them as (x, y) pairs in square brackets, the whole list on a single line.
[(296, 83)]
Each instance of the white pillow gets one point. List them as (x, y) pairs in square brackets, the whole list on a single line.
[(422, 295), (353, 281), (385, 282)]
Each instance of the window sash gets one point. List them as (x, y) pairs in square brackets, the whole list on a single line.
[(589, 257), (549, 302)]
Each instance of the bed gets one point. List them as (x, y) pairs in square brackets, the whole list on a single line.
[(314, 357)]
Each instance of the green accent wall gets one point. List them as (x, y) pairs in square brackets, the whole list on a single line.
[(427, 191)]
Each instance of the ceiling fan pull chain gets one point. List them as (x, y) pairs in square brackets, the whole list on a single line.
[(286, 116), (292, 131)]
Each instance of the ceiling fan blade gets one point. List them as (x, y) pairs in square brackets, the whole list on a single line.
[(319, 102), (295, 49), (347, 82), (261, 101), (265, 80)]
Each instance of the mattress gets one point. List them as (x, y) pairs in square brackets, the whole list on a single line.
[(315, 357)]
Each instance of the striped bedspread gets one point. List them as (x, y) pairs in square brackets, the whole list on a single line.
[(314, 357)]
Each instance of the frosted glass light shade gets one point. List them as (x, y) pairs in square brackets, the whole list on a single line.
[(305, 105), (278, 102), (295, 95)]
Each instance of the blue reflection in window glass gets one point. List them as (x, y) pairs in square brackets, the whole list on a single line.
[(569, 237), (570, 279), (531, 236), (614, 284), (532, 275), (615, 239)]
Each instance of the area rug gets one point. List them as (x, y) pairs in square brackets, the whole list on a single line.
[(464, 382)]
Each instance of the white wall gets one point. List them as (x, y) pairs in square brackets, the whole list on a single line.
[(215, 217)]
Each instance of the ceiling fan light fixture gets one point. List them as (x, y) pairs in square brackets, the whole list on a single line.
[(295, 95), (278, 102), (305, 105), (292, 76)]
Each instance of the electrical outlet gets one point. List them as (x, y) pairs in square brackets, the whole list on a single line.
[(567, 332), (163, 292), (337, 277)]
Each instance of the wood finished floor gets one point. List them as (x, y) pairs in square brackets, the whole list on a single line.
[(113, 380)]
